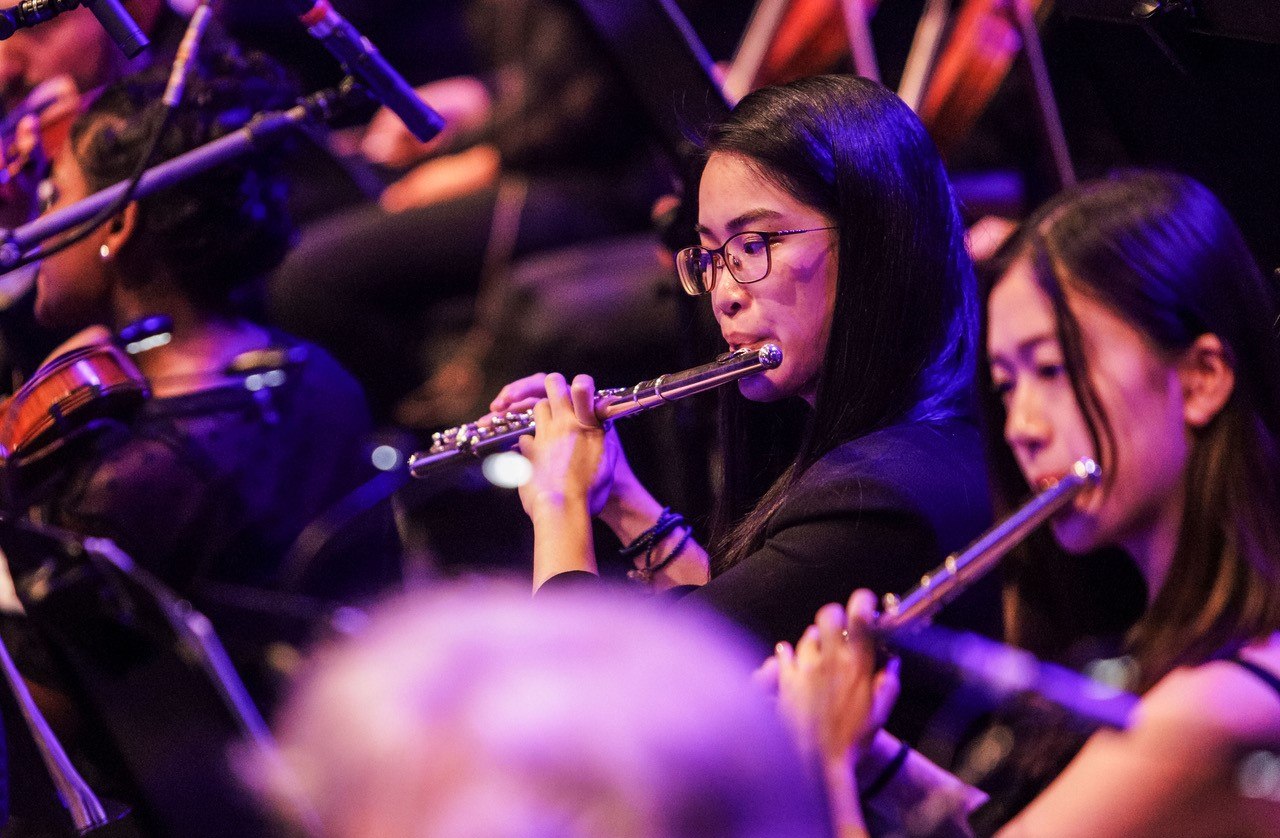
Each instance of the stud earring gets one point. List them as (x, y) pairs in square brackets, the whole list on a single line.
[(104, 253)]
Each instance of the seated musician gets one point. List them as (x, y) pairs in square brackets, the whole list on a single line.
[(250, 434), (829, 229), (1132, 325)]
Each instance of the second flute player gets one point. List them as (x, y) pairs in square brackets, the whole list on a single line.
[(828, 228), (1101, 343)]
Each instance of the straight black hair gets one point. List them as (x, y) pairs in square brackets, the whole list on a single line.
[(904, 331)]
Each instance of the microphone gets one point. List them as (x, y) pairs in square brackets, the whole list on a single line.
[(122, 28), (361, 59), (119, 25)]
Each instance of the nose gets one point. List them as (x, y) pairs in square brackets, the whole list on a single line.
[(727, 296), (1027, 428)]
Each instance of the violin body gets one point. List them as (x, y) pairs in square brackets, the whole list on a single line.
[(812, 38), (979, 54), (66, 394), (983, 43)]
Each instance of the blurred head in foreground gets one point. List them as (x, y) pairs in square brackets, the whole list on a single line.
[(479, 712)]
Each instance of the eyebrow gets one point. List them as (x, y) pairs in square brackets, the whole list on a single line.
[(739, 223), (1026, 346)]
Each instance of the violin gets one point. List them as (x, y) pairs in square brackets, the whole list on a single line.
[(68, 393), (804, 37), (809, 37), (977, 58)]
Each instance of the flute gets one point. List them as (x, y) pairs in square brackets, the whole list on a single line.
[(1003, 670), (959, 570), (500, 433)]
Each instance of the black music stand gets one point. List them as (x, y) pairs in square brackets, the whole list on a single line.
[(146, 670), (1196, 94)]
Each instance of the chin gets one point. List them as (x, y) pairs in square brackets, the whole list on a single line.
[(1076, 532), (761, 388)]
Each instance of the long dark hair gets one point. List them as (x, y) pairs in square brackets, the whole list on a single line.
[(1161, 252), (903, 335)]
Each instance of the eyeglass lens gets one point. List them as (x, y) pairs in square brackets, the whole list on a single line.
[(746, 255)]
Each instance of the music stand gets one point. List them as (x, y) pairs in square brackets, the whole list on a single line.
[(148, 672)]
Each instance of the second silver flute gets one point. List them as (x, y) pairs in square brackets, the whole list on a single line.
[(499, 433), (960, 570)]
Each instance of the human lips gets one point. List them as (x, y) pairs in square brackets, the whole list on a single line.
[(1045, 482), (737, 342)]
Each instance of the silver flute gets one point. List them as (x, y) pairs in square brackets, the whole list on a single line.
[(500, 432), (959, 570), (904, 621)]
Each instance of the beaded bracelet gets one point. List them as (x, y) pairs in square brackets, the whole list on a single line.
[(644, 542), (648, 540), (887, 774), (646, 573)]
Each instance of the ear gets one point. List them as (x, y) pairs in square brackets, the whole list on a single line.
[(120, 228), (1207, 379)]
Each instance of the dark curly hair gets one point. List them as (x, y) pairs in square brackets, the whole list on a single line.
[(213, 236)]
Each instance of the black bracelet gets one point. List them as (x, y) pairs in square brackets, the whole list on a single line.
[(675, 552), (887, 773), (645, 541)]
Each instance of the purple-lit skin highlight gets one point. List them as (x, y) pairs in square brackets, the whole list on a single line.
[(73, 288)]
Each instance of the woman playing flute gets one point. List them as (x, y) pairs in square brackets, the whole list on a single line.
[(1132, 325), (827, 227)]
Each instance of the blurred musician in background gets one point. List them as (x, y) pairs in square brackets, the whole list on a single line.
[(474, 711), (74, 44), (44, 71), (543, 149), (250, 433), (1131, 324), (829, 229)]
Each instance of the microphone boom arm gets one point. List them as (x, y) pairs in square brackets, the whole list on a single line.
[(20, 246)]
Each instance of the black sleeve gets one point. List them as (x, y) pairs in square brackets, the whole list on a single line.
[(144, 496), (834, 534), (570, 580)]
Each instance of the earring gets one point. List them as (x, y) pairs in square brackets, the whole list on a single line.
[(104, 252)]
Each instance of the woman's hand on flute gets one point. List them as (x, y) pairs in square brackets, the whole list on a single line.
[(625, 493), (571, 453), (568, 441), (829, 689), (833, 698), (572, 472), (520, 395)]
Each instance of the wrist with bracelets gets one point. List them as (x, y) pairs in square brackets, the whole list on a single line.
[(645, 544)]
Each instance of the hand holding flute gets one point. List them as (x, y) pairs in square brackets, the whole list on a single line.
[(580, 472)]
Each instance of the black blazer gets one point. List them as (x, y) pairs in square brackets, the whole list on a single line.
[(876, 512)]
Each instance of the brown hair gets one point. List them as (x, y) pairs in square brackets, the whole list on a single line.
[(1161, 251)]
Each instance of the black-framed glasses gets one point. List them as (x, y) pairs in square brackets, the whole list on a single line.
[(746, 255)]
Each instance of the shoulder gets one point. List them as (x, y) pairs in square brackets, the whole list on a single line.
[(905, 453), (320, 372), (321, 393), (935, 469), (1219, 700)]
